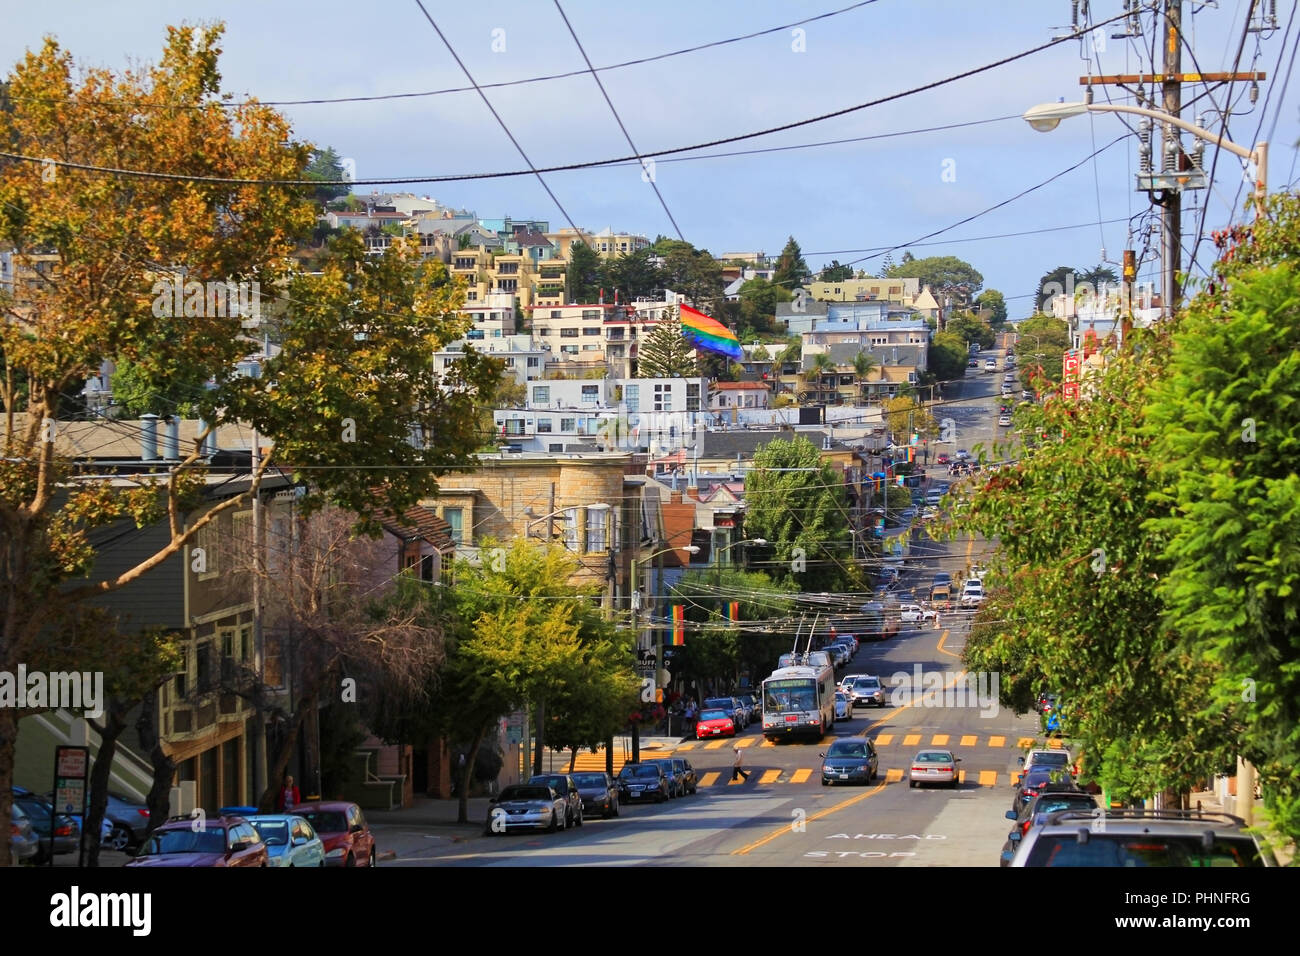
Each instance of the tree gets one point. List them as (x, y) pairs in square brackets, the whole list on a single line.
[(691, 272), (948, 356), (993, 301), (758, 301), (799, 504), (1041, 342), (1222, 423), (327, 166), (1060, 281), (632, 274), (946, 274), (864, 363), (836, 272), (582, 280), (135, 394), (98, 301), (904, 416), (665, 352), (790, 270), (971, 329), (819, 369)]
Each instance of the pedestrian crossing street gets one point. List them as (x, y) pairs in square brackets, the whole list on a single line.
[(595, 762)]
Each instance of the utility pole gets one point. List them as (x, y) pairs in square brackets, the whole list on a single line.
[(1171, 213), (541, 704)]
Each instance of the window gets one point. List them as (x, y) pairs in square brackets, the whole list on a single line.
[(592, 331), (514, 426), (590, 394), (541, 394), (568, 424), (591, 348), (557, 314), (471, 295), (590, 314), (510, 363), (206, 541), (204, 677), (596, 536), (508, 285), (453, 517), (632, 397), (533, 362), (474, 334), (246, 642), (568, 333), (230, 643), (663, 398), (692, 397), (555, 448), (569, 349), (543, 426)]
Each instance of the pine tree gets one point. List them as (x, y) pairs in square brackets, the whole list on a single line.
[(665, 352)]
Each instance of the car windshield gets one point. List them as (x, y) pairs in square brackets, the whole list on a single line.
[(934, 756), (589, 779), (327, 821), (185, 840), (1054, 803), (558, 784), (793, 695), (719, 702), (524, 793), (868, 683), (846, 748), (1106, 849), (272, 832), (713, 715), (642, 770), (1058, 758)]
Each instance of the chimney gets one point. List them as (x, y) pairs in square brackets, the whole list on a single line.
[(675, 498), (172, 439), (148, 437)]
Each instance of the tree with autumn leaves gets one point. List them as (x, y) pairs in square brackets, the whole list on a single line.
[(1160, 598), (348, 396)]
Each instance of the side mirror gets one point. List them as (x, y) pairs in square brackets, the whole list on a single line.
[(1015, 836), (1010, 814), (356, 828), (300, 841), (1021, 761), (238, 847)]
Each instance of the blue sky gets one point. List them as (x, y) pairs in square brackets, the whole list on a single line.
[(843, 201)]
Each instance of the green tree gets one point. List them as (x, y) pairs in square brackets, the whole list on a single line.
[(135, 394), (1060, 281), (758, 301), (836, 272), (946, 274), (632, 274), (790, 270), (971, 329), (799, 504), (993, 301), (690, 272), (1224, 424), (948, 356), (327, 166), (864, 363), (820, 373), (582, 280), (665, 352), (1041, 342)]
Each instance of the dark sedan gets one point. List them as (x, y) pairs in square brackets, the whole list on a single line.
[(1036, 812), (599, 793), (1037, 781), (642, 781), (850, 760), (66, 832)]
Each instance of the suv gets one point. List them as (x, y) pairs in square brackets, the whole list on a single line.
[(866, 691), (991, 365), (564, 786), (1128, 838), (972, 592), (731, 706)]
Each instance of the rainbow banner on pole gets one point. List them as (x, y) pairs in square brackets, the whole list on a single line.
[(709, 334), (733, 611), (679, 625)]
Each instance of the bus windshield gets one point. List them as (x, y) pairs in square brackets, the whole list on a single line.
[(786, 696)]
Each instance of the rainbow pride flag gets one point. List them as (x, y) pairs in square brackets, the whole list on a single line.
[(679, 625), (709, 334), (733, 611)]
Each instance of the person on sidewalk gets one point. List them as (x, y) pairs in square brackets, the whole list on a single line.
[(289, 797), (736, 769)]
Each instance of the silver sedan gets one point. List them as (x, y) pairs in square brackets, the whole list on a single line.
[(935, 766)]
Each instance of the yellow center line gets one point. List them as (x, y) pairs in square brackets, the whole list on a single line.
[(943, 650), (789, 827), (916, 699)]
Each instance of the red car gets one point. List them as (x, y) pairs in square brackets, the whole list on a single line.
[(944, 459), (215, 841), (714, 723), (343, 829)]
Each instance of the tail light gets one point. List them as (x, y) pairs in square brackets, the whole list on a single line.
[(142, 812), (13, 830), (1024, 828), (63, 831)]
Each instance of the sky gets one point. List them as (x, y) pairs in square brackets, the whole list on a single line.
[(923, 172)]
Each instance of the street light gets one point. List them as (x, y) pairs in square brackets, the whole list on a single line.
[(636, 631), (717, 564)]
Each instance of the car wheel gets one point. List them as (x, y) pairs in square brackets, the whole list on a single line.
[(912, 784), (825, 782), (119, 839), (351, 860), (554, 824), (578, 819)]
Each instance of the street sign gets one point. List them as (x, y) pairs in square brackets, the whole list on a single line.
[(71, 765)]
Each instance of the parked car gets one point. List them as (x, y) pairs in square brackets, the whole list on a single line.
[(130, 822), (599, 793), (943, 459), (524, 806), (291, 842), (676, 784), (850, 760), (935, 766), (731, 706), (753, 708), (1004, 421), (843, 706), (224, 841), (686, 770), (1008, 388), (915, 614), (714, 723), (1141, 838), (972, 593), (44, 821), (867, 692), (1050, 759), (1036, 781), (344, 831), (1036, 812), (973, 363), (565, 786), (642, 781), (23, 841)]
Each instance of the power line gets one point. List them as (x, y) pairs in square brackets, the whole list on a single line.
[(946, 242), (795, 124), (610, 103)]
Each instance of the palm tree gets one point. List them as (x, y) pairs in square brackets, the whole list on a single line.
[(863, 365), (822, 365)]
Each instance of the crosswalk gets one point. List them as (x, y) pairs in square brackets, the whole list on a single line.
[(595, 762)]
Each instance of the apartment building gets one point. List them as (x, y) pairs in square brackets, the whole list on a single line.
[(607, 243), (535, 284), (899, 291)]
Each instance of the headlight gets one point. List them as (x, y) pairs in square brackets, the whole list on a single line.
[(827, 768), (335, 854)]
